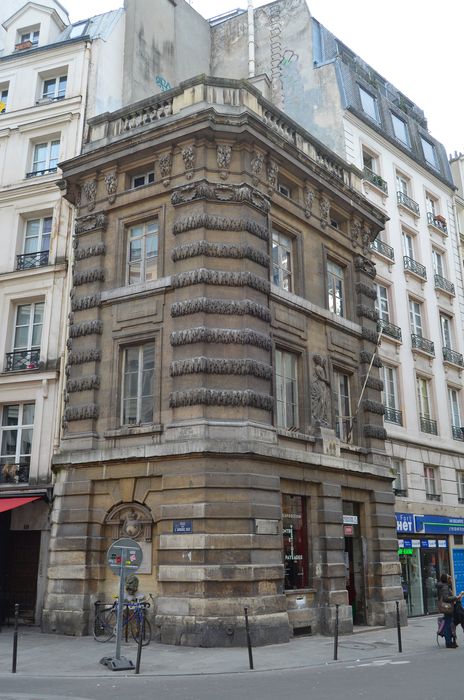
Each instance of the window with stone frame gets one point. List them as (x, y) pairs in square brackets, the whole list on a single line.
[(286, 389), (17, 425), (282, 260), (138, 381), (343, 417), (142, 252), (336, 288)]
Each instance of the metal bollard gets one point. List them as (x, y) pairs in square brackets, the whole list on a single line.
[(250, 650), (15, 638), (336, 634), (139, 643), (398, 624)]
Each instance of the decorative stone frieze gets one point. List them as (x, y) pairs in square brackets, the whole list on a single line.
[(372, 383), (217, 397), (189, 157), (220, 223), (201, 334), (89, 252), (224, 154), (366, 357), (308, 196), (375, 431), (208, 365), (92, 222), (324, 204), (257, 163), (220, 250), (362, 264), (370, 406), (73, 413), (370, 335), (86, 302), (365, 311), (81, 357), (90, 190), (220, 278), (272, 176), (220, 306), (88, 276), (367, 290), (83, 383), (165, 164), (93, 327), (111, 184), (355, 230), (215, 192)]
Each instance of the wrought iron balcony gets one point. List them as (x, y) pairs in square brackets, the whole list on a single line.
[(457, 432), (13, 472), (29, 261), (420, 343), (415, 267), (452, 356), (391, 330), (22, 359), (392, 415), (407, 202), (437, 221), (428, 425), (375, 179), (400, 492), (45, 171), (433, 496), (442, 283), (383, 249)]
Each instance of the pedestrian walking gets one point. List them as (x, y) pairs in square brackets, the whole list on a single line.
[(446, 602)]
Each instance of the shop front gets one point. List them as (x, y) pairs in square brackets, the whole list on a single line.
[(428, 545)]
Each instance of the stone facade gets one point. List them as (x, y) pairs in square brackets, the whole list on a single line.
[(204, 478)]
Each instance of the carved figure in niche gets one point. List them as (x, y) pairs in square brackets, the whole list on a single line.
[(188, 154), (90, 191), (320, 392), (111, 183), (325, 207), (257, 163), (224, 154), (272, 174), (131, 526), (165, 164), (308, 200)]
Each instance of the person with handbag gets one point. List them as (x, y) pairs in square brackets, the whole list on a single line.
[(446, 601)]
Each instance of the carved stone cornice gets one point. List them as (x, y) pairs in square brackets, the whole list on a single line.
[(370, 406), (220, 250), (81, 357), (89, 252), (208, 365), (91, 222), (367, 290), (85, 302), (88, 276), (217, 397), (88, 411), (227, 336), (218, 192), (93, 327), (83, 383), (221, 278), (220, 306), (220, 223)]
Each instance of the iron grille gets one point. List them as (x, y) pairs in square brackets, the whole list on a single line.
[(442, 283), (28, 261), (393, 415), (414, 266), (408, 202), (428, 425), (420, 343), (375, 179), (391, 330), (452, 356), (22, 359), (383, 249)]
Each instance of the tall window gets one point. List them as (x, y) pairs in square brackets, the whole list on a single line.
[(286, 379), (369, 161), (142, 255), (381, 303), (390, 395), (430, 154), (36, 243), (138, 384), (402, 184), (431, 205), (16, 442), (3, 97), (45, 158), (431, 483), (408, 244), (400, 129), (415, 317), (460, 485), (343, 419), (453, 396), (399, 485), (423, 396), (27, 337), (438, 263), (446, 335), (369, 104), (295, 541), (336, 288), (282, 261), (55, 88)]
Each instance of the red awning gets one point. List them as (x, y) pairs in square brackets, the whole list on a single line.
[(10, 503)]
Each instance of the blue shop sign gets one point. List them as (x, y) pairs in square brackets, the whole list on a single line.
[(405, 522), (439, 525)]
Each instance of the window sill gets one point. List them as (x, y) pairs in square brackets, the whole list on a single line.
[(128, 431), (283, 432)]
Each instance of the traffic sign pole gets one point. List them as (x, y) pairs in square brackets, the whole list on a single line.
[(122, 581)]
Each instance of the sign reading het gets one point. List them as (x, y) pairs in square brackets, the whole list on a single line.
[(404, 522), (124, 553)]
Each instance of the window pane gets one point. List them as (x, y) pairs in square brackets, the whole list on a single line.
[(28, 413), (135, 250), (10, 415), (26, 441), (400, 129), (9, 442), (134, 273), (369, 104), (146, 411), (130, 411)]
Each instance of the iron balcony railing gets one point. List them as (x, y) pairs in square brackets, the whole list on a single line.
[(400, 492), (433, 496), (457, 432), (45, 171), (22, 359), (393, 415), (452, 356), (375, 179), (407, 202), (442, 283), (391, 330), (13, 472), (428, 425), (420, 343), (383, 249), (415, 267), (437, 221), (29, 261)]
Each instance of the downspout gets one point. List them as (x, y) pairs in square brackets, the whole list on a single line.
[(251, 40)]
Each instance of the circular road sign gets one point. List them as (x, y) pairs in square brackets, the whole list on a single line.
[(124, 554)]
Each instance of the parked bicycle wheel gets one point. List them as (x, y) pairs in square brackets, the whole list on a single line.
[(139, 625), (104, 626)]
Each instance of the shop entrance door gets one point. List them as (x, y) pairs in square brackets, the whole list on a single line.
[(23, 565), (411, 580), (435, 561), (355, 578)]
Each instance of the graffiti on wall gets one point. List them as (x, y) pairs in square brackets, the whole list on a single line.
[(162, 83)]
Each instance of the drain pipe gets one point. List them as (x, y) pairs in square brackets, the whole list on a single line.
[(251, 40)]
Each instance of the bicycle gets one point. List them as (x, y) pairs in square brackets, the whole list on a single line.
[(134, 621)]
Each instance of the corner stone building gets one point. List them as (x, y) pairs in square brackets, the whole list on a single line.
[(222, 328)]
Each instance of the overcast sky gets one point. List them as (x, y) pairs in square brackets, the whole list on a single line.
[(414, 44)]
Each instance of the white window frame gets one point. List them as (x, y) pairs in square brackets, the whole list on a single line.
[(369, 104), (19, 456), (343, 417), (408, 241), (149, 253), (455, 410), (286, 390), (431, 205), (57, 93), (32, 35), (446, 330), (4, 89), (148, 178), (400, 130), (415, 317), (45, 224), (431, 479), (138, 397), (390, 394), (460, 484), (31, 326), (400, 483), (282, 260), (430, 153), (382, 302), (336, 288), (438, 260), (50, 161), (424, 397)]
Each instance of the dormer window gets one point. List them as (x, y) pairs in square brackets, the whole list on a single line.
[(28, 38), (78, 29)]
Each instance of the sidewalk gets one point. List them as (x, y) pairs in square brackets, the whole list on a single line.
[(60, 656)]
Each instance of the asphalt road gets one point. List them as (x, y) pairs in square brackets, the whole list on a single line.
[(423, 676)]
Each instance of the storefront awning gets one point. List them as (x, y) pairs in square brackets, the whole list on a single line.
[(10, 503)]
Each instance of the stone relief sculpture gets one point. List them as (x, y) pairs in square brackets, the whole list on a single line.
[(90, 191), (189, 154), (320, 392), (224, 154), (92, 222), (111, 183), (257, 163), (272, 175), (219, 223), (308, 201), (165, 163), (325, 208)]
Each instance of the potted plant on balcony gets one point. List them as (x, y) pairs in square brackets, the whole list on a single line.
[(441, 219)]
